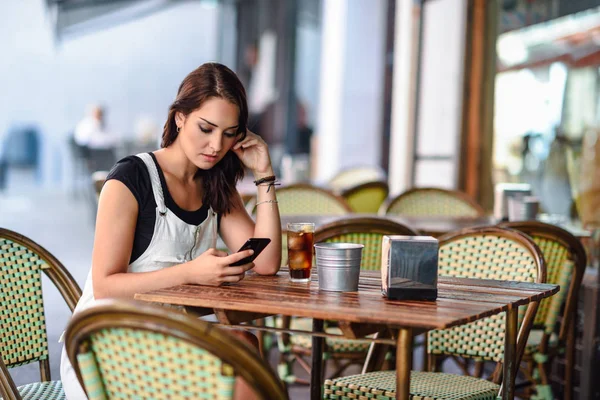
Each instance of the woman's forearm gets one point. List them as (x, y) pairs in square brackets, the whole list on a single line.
[(268, 224), (127, 284)]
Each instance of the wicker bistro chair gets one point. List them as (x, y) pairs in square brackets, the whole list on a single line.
[(357, 175), (432, 202), (301, 199), (369, 232), (554, 322), (482, 253), (23, 337), (366, 197), (305, 199), (121, 349)]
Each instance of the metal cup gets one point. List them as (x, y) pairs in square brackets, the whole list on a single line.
[(338, 266)]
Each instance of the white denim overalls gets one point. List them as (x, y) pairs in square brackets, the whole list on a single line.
[(173, 242)]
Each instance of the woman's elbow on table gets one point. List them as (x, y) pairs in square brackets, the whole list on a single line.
[(268, 268)]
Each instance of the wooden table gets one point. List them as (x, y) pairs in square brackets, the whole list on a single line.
[(432, 226), (460, 301)]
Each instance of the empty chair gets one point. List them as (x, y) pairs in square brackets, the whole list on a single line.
[(121, 349), (482, 253), (101, 159), (354, 176), (366, 231), (565, 262), (366, 197), (23, 337), (305, 199), (433, 202)]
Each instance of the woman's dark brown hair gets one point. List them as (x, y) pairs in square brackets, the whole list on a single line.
[(208, 81)]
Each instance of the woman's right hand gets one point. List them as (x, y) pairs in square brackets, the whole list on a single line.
[(212, 268)]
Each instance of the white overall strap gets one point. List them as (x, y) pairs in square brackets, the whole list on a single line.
[(155, 181)]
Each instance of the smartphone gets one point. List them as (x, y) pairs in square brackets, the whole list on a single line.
[(256, 244)]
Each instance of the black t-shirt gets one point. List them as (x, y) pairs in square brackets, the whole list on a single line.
[(134, 174)]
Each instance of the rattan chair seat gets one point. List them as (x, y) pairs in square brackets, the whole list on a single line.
[(381, 385), (52, 390)]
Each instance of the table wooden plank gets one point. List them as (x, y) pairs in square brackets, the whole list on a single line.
[(459, 301)]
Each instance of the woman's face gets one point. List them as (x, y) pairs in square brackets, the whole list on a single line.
[(209, 132)]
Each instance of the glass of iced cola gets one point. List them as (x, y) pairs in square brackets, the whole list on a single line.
[(300, 240)]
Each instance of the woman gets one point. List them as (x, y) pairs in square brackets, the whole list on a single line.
[(159, 213)]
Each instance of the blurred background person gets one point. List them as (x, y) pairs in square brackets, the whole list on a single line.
[(91, 130)]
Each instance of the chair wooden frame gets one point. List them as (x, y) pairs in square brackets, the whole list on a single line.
[(245, 361), (567, 333), (385, 207), (60, 277), (345, 226), (523, 332), (8, 389)]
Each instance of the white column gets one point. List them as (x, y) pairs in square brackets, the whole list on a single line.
[(403, 98), (350, 100), (440, 95), (329, 117), (441, 90)]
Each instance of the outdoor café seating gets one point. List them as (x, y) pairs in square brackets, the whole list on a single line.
[(124, 349), (366, 197), (554, 324), (427, 201), (366, 231), (23, 336), (479, 253)]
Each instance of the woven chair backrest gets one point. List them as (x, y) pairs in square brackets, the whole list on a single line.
[(23, 337), (135, 363), (484, 254), (366, 231), (354, 176), (310, 200), (122, 349), (433, 202), (368, 197), (565, 259)]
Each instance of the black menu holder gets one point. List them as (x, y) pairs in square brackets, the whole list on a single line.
[(409, 267)]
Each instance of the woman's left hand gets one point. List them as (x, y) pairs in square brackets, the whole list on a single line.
[(254, 154)]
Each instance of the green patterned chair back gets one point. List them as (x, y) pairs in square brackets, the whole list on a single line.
[(565, 265), (23, 337), (419, 202), (125, 350), (485, 253), (366, 231), (304, 199), (367, 197), (354, 176)]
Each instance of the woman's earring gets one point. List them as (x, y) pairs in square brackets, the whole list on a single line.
[(178, 129)]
